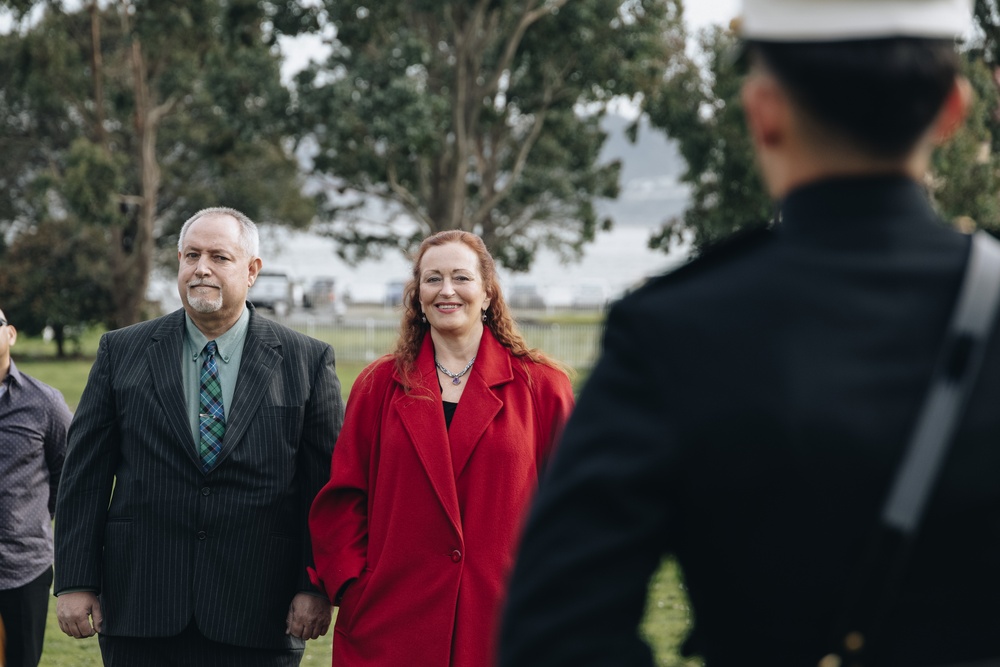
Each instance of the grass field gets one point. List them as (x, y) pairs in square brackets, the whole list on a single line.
[(63, 651), (664, 626)]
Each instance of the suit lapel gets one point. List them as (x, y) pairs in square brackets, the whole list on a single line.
[(479, 405), (261, 356), (423, 418), (164, 358)]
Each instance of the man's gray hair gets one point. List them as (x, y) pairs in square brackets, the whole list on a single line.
[(249, 237)]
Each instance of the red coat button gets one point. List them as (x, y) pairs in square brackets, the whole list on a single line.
[(456, 556)]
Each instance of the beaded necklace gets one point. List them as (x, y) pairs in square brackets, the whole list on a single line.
[(456, 378)]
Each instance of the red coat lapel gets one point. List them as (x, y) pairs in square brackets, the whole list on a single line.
[(479, 405), (423, 418)]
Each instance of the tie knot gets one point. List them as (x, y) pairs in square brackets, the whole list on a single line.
[(211, 348)]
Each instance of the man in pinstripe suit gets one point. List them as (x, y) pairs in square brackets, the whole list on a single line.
[(175, 551)]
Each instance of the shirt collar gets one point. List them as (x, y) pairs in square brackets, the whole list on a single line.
[(227, 342), (13, 375)]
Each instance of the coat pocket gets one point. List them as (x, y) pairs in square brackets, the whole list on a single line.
[(350, 603)]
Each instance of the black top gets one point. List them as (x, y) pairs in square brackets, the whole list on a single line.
[(746, 417), (449, 411)]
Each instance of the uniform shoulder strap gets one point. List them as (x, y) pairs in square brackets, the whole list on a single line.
[(956, 372)]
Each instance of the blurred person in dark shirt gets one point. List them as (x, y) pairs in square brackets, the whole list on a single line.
[(33, 424)]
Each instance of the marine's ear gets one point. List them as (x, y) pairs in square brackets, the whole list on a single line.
[(953, 111), (767, 110), (770, 120)]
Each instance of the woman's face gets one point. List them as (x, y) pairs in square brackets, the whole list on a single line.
[(452, 294)]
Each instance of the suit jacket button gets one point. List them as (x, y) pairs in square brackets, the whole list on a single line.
[(456, 556), (202, 534), (205, 491)]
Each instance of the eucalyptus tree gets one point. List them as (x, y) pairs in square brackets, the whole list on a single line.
[(698, 104), (128, 115), (49, 279), (482, 115)]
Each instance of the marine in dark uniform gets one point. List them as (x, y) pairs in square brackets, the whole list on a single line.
[(749, 411)]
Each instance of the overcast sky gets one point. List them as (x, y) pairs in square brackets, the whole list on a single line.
[(700, 13)]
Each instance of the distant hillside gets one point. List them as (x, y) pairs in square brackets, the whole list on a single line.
[(651, 167)]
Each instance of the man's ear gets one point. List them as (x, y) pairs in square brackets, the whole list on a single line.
[(954, 110), (767, 110), (255, 265)]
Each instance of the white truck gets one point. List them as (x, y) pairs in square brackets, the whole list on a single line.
[(274, 291)]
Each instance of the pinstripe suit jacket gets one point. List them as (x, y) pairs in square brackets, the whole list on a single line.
[(228, 549)]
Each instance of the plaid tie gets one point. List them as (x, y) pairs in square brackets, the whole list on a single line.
[(212, 414)]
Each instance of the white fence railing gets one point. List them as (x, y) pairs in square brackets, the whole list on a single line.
[(363, 340)]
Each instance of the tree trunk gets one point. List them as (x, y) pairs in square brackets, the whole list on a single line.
[(132, 250), (475, 31), (97, 73), (59, 335)]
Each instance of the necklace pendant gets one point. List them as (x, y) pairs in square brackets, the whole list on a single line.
[(456, 381)]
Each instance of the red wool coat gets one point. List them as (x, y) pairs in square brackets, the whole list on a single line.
[(428, 520)]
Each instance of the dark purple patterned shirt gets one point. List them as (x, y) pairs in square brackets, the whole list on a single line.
[(33, 424)]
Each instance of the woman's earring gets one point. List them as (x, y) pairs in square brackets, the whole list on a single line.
[(484, 316), (423, 318)]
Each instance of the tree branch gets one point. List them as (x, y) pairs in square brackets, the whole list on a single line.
[(519, 163), (530, 17), (405, 197)]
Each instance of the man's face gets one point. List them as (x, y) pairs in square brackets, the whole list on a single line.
[(8, 336), (214, 272)]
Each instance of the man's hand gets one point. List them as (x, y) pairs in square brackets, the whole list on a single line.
[(308, 616), (75, 611)]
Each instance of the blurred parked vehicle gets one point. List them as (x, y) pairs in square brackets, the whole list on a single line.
[(273, 290), (591, 296), (322, 297), (322, 293), (394, 293), (525, 295)]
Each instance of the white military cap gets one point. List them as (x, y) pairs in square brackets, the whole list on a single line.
[(833, 20)]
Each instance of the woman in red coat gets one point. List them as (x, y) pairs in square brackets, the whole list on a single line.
[(440, 453)]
